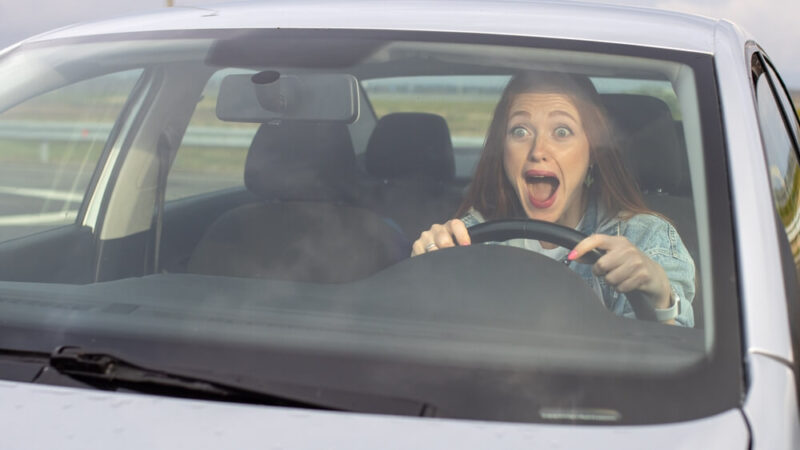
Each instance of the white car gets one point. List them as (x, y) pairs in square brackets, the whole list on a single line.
[(206, 218)]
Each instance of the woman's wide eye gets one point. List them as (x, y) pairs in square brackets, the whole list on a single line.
[(562, 132), (519, 132)]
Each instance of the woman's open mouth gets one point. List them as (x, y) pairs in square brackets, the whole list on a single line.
[(542, 188)]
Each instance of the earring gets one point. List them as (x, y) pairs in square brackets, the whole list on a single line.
[(589, 176)]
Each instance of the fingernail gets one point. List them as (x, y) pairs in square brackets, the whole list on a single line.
[(572, 255)]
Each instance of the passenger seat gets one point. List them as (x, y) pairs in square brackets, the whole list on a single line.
[(307, 224)]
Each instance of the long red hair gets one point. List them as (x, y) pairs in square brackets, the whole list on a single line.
[(492, 194)]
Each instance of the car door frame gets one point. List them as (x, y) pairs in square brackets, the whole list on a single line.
[(772, 377)]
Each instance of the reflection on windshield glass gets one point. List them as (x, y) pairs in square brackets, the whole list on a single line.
[(403, 215)]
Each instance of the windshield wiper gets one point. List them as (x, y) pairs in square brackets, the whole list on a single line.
[(106, 371)]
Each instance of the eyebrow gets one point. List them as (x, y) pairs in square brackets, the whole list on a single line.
[(562, 113), (552, 114), (520, 113)]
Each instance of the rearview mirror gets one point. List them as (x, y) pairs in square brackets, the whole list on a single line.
[(270, 95)]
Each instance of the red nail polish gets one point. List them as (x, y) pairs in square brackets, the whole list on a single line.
[(572, 255)]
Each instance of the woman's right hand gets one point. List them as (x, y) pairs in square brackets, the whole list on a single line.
[(441, 236)]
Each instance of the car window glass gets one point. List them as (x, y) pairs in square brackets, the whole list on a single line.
[(784, 172), (49, 147), (786, 103), (466, 102), (275, 240), (783, 162), (212, 152), (660, 89)]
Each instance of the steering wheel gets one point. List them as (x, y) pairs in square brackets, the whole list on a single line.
[(503, 230)]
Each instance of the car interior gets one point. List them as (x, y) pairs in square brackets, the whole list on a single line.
[(307, 185), (314, 205)]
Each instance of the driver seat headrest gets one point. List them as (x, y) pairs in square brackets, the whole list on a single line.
[(411, 145)]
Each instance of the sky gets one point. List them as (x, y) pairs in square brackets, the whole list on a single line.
[(774, 23)]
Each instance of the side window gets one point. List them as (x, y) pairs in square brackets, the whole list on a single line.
[(784, 170), (212, 154), (49, 148), (466, 102), (660, 89), (784, 167), (786, 102)]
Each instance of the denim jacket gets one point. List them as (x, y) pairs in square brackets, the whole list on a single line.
[(653, 235)]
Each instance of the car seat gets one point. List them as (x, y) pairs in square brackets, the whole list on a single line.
[(654, 150), (307, 224), (656, 155), (409, 157)]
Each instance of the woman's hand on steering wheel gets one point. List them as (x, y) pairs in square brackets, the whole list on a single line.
[(626, 268), (441, 236)]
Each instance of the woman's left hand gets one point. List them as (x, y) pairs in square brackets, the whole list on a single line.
[(626, 267)]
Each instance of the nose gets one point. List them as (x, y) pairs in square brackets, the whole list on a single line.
[(540, 149)]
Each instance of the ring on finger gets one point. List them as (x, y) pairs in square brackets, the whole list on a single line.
[(431, 246)]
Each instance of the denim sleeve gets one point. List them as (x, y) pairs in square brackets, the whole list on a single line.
[(659, 240)]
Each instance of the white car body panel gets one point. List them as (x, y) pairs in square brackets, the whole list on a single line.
[(766, 329), (562, 20), (80, 419), (771, 405)]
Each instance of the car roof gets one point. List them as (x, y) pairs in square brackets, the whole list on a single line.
[(548, 19)]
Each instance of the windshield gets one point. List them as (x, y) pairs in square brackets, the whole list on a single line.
[(376, 214)]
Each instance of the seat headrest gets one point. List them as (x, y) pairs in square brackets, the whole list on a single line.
[(650, 142), (411, 145), (301, 161)]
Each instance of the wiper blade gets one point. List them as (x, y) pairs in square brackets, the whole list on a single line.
[(106, 371)]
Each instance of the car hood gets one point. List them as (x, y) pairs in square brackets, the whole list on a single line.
[(81, 418)]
